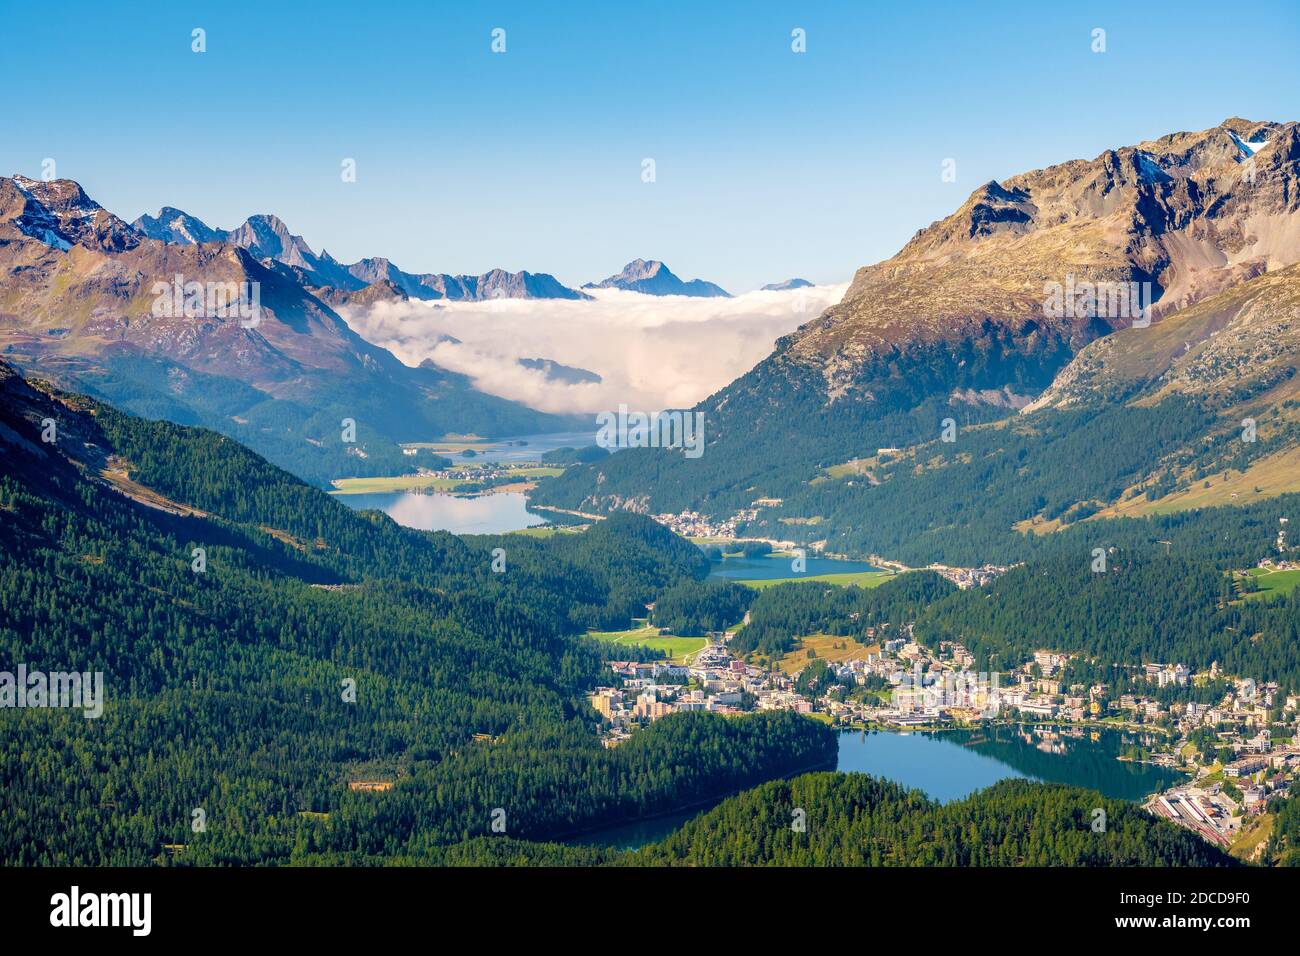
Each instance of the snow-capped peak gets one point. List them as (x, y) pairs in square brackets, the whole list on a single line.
[(1251, 148)]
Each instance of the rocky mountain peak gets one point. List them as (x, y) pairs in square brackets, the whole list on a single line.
[(786, 285), (642, 269), (59, 212), (652, 277), (267, 237), (177, 226)]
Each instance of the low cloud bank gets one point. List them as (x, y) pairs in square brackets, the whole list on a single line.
[(651, 352)]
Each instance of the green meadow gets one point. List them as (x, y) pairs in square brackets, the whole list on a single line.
[(1272, 583), (678, 649), (863, 579)]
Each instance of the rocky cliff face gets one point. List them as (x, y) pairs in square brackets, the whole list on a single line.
[(1190, 213), (1240, 348)]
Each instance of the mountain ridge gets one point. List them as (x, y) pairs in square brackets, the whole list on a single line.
[(267, 237)]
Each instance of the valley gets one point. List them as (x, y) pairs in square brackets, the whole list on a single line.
[(626, 445), (748, 673), (950, 553)]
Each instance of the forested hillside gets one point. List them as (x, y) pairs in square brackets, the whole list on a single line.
[(1141, 608), (315, 647), (1000, 492), (782, 614), (856, 820), (1284, 840), (837, 819), (694, 608)]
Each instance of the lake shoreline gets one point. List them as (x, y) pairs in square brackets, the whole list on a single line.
[(911, 760)]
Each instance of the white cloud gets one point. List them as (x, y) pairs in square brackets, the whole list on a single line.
[(651, 352)]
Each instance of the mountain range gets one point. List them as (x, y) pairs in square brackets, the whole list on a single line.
[(988, 394), (1173, 254), (75, 305), (267, 237), (79, 305)]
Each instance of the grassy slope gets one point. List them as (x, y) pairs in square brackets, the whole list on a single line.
[(864, 579), (828, 647), (678, 649), (1273, 583)]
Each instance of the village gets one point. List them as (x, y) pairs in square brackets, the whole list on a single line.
[(701, 528), (1236, 739), (1240, 752)]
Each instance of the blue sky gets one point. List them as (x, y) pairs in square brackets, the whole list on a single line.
[(769, 164)]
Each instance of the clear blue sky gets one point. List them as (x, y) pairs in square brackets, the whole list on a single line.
[(769, 163)]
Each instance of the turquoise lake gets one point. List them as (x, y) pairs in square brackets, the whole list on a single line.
[(950, 765)]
